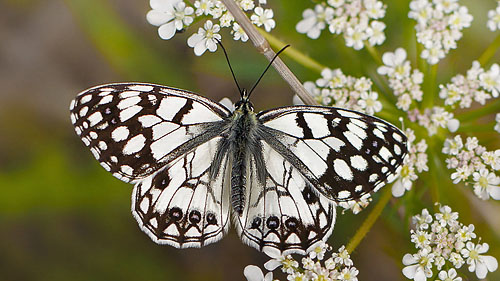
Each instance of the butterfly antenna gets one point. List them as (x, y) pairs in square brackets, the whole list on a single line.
[(265, 70), (230, 67)]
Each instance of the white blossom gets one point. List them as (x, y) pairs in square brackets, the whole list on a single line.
[(263, 17), (357, 20), (205, 39), (481, 264), (418, 266), (169, 16), (494, 18), (439, 26), (314, 21)]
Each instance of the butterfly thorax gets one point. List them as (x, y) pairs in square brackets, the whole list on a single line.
[(242, 138)]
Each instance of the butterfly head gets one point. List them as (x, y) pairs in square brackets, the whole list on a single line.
[(244, 103)]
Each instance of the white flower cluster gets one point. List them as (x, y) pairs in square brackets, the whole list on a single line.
[(479, 85), (172, 16), (415, 162), (439, 26), (315, 266), (471, 160), (436, 117), (442, 241), (494, 18), (355, 19), (334, 88), (402, 80)]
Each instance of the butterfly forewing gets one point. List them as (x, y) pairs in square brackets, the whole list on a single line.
[(135, 129), (342, 153)]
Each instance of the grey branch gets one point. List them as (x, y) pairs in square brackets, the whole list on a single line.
[(264, 48)]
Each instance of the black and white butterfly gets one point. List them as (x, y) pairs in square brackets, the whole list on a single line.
[(195, 164)]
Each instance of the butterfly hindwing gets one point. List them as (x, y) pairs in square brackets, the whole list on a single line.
[(286, 215), (135, 129), (180, 205), (344, 154)]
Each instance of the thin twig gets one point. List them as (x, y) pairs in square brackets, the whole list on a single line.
[(264, 48)]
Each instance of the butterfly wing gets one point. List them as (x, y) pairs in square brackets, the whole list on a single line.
[(344, 154), (135, 129), (180, 205), (163, 140), (284, 215)]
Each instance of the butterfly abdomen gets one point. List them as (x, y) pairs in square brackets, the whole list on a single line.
[(241, 138)]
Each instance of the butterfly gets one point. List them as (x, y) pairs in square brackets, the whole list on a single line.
[(195, 164)]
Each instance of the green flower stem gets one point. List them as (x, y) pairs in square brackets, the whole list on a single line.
[(435, 165), (489, 108), (374, 53), (430, 86), (473, 127), (490, 51), (421, 64), (370, 220), (293, 53)]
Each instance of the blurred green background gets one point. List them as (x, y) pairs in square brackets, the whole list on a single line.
[(62, 217)]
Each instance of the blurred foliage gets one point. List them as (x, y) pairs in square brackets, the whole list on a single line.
[(64, 218)]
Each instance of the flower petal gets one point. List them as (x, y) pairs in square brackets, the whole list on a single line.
[(157, 18), (253, 273), (167, 30)]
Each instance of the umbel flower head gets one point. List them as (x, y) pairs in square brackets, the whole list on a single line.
[(320, 264), (443, 242)]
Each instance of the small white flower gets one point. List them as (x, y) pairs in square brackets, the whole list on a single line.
[(354, 37), (375, 32), (263, 17), (254, 273), (494, 19), (447, 217), (347, 274), (453, 146), (451, 275), (203, 7), (170, 16), (490, 80), (465, 233), (418, 266), (394, 64), (239, 33), (314, 21), (486, 184), (420, 238), (370, 103), (457, 260), (374, 9), (247, 5), (319, 251), (226, 20), (479, 263), (342, 257), (433, 54), (205, 38), (423, 220)]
